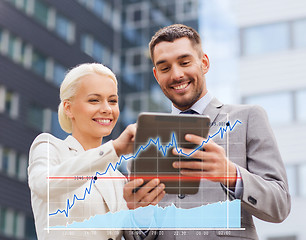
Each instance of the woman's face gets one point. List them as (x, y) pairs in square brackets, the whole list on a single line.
[(94, 109)]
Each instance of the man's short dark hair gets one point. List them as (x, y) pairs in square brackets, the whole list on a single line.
[(173, 32)]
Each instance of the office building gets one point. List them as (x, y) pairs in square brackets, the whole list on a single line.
[(39, 41), (272, 74)]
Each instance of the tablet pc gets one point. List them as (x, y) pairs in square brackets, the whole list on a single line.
[(157, 134)]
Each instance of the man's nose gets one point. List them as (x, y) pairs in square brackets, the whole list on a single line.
[(177, 73)]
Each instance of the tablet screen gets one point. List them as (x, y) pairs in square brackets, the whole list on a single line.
[(157, 134)]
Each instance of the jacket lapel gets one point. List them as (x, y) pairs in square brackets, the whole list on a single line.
[(107, 190), (213, 109), (105, 187)]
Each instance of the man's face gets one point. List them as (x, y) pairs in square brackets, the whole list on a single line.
[(180, 72)]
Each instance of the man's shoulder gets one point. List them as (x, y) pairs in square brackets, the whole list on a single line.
[(244, 108)]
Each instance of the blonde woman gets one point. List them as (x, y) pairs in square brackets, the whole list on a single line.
[(89, 111)]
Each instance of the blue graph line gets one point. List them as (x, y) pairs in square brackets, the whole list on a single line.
[(157, 143)]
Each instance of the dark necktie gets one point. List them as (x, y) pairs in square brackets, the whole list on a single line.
[(189, 111)]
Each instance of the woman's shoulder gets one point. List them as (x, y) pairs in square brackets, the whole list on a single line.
[(45, 139)]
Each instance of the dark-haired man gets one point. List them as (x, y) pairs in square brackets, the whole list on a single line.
[(248, 165)]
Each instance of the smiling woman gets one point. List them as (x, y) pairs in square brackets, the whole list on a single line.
[(89, 111)]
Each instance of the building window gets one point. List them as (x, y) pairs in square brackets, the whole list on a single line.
[(41, 12), (186, 9), (299, 33), (265, 39), (283, 238), (302, 180), (95, 49), (5, 160), (98, 51), (279, 106), (30, 58), (136, 60), (100, 8), (48, 17), (30, 232), (13, 164), (56, 129), (64, 28), (2, 219), (39, 63), (86, 44), (300, 105), (16, 49), (21, 167), (39, 118), (12, 223), (292, 179), (59, 72), (9, 102), (116, 21), (138, 14)]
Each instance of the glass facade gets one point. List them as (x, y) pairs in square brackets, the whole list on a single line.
[(96, 49), (48, 17), (279, 106), (302, 180), (103, 10), (62, 27), (59, 73), (35, 117), (13, 164), (300, 105), (265, 39), (299, 33), (16, 225), (276, 37), (39, 63), (282, 107), (27, 56), (9, 102), (41, 12)]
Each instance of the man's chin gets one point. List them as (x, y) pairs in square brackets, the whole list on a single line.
[(183, 105)]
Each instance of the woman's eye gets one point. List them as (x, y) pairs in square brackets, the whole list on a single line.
[(93, 100), (113, 101)]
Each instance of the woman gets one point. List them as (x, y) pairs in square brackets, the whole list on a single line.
[(89, 111)]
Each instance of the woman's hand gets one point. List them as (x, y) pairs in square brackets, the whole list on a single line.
[(124, 144)]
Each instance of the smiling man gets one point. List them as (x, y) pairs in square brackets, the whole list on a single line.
[(246, 164)]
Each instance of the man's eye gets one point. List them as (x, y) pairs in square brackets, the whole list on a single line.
[(185, 63), (164, 69), (93, 100)]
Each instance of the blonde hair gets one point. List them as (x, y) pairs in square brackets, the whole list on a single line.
[(70, 85)]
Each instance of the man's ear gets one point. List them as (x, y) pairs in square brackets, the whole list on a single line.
[(155, 74), (67, 108), (205, 63)]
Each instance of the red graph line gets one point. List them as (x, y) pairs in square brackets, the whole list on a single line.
[(146, 177)]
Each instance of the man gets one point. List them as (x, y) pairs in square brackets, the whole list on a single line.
[(246, 164)]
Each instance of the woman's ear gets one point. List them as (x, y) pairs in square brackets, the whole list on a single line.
[(67, 108)]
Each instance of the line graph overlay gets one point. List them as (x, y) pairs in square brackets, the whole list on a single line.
[(160, 147)]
